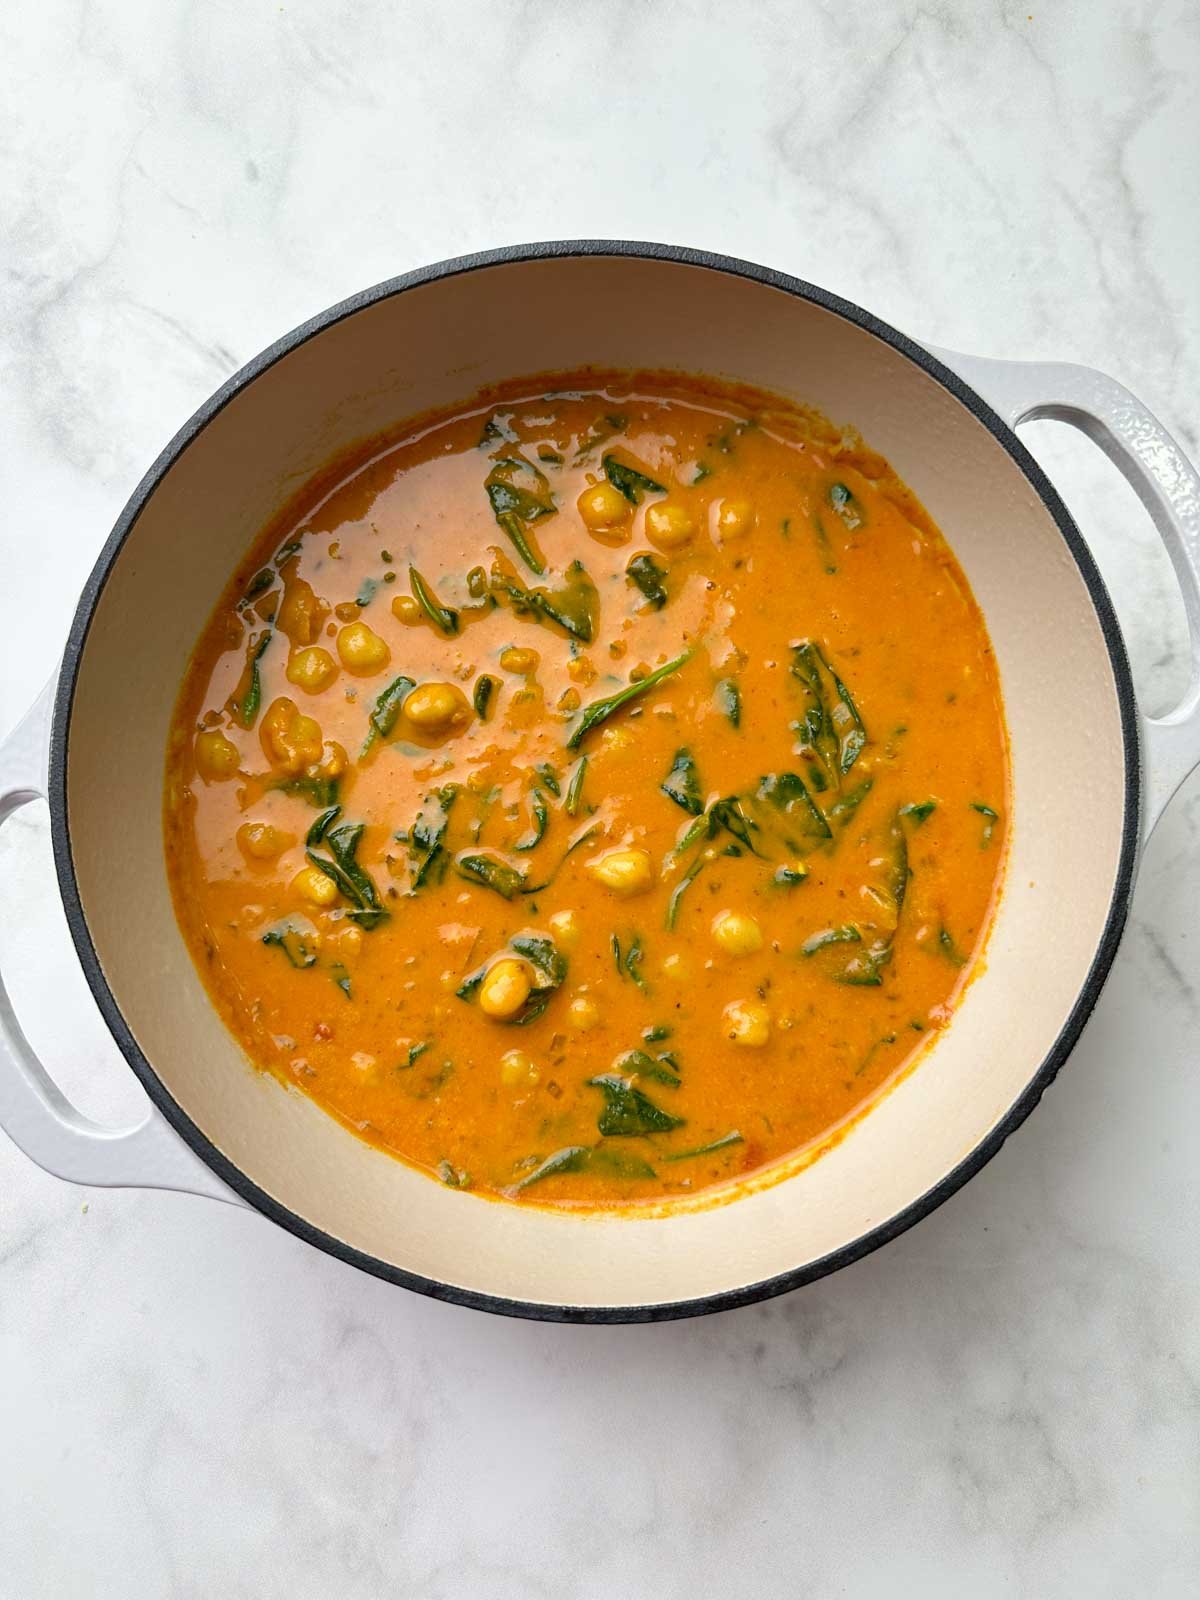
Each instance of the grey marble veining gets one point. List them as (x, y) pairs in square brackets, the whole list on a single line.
[(1006, 1401)]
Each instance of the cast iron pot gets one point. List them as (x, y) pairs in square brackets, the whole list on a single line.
[(430, 338)]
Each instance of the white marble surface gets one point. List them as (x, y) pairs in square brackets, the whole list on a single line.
[(1006, 1402)]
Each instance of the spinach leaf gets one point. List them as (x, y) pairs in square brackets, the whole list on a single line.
[(386, 711), (575, 608), (631, 483), (789, 876), (831, 731), (600, 710), (298, 943), (544, 956), (573, 1158), (787, 793), (498, 426), (919, 811), (896, 871), (730, 814), (636, 1063), (723, 1143), (843, 808), (627, 1111), (575, 791), (444, 618), (317, 791), (536, 888), (427, 834), (246, 709), (846, 934), (322, 824), (549, 973), (863, 968), (681, 888), (990, 819), (873, 1051), (469, 987), (354, 881), (604, 428), (618, 1163), (485, 687), (519, 493), (491, 872), (629, 964), (541, 817), (948, 948), (644, 571), (453, 1177), (824, 548), (846, 506), (682, 783), (729, 700)]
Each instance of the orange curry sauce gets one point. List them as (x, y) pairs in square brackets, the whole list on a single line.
[(553, 949)]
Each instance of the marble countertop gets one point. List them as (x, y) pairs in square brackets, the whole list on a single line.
[(1004, 1402)]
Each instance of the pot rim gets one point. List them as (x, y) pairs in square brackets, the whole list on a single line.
[(232, 1175)]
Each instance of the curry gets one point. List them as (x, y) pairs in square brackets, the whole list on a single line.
[(595, 795)]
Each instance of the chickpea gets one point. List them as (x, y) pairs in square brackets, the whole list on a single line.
[(517, 1068), (311, 669), (735, 519), (625, 872), (566, 928), (736, 933), (505, 989), (290, 739), (361, 649), (433, 707), (216, 756), (262, 841), (583, 1013), (604, 509), (747, 1022), (301, 615), (669, 525), (406, 609), (334, 759), (518, 660), (311, 884)]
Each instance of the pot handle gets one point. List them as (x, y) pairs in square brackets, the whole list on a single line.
[(1165, 482), (34, 1112)]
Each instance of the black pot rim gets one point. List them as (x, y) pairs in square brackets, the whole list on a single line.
[(454, 1294)]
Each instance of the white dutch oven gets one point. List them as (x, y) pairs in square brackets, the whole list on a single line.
[(1079, 748)]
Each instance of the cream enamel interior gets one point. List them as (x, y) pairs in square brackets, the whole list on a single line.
[(431, 346)]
